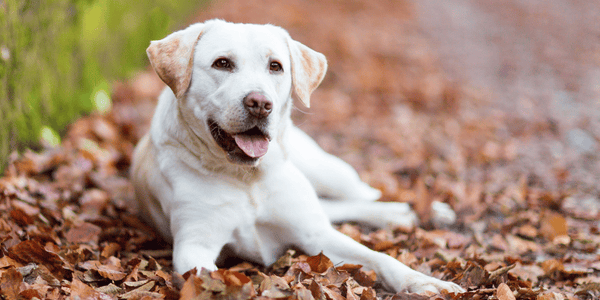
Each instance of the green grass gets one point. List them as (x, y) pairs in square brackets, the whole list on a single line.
[(56, 55)]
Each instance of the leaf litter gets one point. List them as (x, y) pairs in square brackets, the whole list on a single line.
[(68, 226)]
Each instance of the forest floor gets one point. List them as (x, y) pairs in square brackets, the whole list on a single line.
[(491, 109)]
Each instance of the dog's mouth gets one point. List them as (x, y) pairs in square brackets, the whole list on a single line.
[(243, 147)]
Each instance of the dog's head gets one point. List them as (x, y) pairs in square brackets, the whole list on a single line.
[(234, 83)]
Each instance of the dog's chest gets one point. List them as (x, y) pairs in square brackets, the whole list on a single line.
[(255, 237)]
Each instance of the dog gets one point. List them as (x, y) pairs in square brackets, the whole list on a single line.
[(223, 165)]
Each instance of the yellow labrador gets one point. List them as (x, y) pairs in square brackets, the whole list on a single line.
[(224, 165)]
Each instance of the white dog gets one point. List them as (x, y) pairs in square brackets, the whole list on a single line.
[(224, 165)]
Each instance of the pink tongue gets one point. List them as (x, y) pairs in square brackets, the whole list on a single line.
[(253, 145)]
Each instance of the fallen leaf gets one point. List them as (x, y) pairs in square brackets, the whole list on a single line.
[(192, 287), (302, 293), (589, 290), (112, 272), (368, 294), (10, 283), (275, 287), (550, 296), (84, 233), (333, 277), (31, 251), (527, 231), (319, 263), (552, 265), (474, 276), (503, 292), (552, 225), (408, 296), (80, 290), (528, 272), (365, 278), (110, 250)]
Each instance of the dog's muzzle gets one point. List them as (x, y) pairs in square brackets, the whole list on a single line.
[(244, 147)]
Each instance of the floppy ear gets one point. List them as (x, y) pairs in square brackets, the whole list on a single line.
[(173, 57), (308, 70)]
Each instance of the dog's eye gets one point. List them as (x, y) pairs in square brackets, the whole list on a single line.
[(222, 64), (275, 67)]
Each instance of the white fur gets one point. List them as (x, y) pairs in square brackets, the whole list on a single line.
[(201, 201)]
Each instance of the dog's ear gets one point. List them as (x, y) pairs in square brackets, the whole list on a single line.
[(308, 70), (173, 57)]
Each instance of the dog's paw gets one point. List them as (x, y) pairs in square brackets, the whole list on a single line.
[(442, 214), (394, 214), (423, 284), (363, 192)]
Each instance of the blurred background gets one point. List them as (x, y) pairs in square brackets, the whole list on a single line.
[(458, 96), (59, 60)]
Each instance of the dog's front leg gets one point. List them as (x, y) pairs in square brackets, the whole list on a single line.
[(293, 213), (394, 274), (203, 217)]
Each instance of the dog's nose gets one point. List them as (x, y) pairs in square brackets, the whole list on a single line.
[(258, 105)]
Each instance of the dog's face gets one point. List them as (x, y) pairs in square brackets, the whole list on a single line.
[(234, 82)]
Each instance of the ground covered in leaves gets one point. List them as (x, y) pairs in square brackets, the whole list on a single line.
[(416, 104)]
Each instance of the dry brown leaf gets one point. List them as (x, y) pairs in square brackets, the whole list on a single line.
[(527, 231), (351, 231), (521, 246), (332, 294), (80, 290), (231, 278), (275, 287), (93, 202), (552, 225), (31, 251), (550, 296), (364, 278), (589, 290), (83, 233), (335, 278), (528, 272), (368, 294), (142, 291), (302, 293), (474, 276), (110, 250), (111, 289), (20, 217), (284, 261), (503, 292), (319, 263), (551, 266), (112, 272), (409, 296), (350, 294), (191, 288), (10, 283), (28, 209), (6, 262), (38, 292)]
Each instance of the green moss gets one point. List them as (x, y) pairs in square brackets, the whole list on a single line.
[(55, 55)]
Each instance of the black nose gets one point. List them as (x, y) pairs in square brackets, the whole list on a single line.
[(258, 105)]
